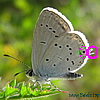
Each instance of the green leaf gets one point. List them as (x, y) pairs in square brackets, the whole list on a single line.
[(32, 87), (23, 90), (19, 86), (27, 85), (9, 90), (36, 92), (12, 83), (12, 91), (1, 93), (29, 90)]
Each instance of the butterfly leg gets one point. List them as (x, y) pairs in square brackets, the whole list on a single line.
[(34, 83), (50, 85), (27, 82), (55, 86), (40, 86)]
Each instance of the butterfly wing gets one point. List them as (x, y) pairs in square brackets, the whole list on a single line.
[(49, 26), (49, 51), (63, 56)]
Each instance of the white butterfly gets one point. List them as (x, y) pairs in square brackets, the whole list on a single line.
[(55, 49)]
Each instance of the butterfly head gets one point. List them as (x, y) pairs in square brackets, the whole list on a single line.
[(29, 73)]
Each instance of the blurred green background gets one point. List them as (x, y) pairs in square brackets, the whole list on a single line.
[(17, 23)]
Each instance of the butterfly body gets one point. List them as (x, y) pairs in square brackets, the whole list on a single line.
[(44, 79)]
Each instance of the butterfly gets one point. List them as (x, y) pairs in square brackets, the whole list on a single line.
[(55, 49)]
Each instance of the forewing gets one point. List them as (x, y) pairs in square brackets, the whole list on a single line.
[(50, 25)]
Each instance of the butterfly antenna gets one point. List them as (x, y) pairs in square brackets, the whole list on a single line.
[(17, 60), (20, 72)]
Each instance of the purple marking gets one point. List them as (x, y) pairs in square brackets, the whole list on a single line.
[(79, 52), (87, 52)]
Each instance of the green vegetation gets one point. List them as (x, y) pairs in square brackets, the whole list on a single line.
[(19, 91)]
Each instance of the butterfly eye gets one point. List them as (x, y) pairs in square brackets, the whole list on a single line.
[(30, 73)]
